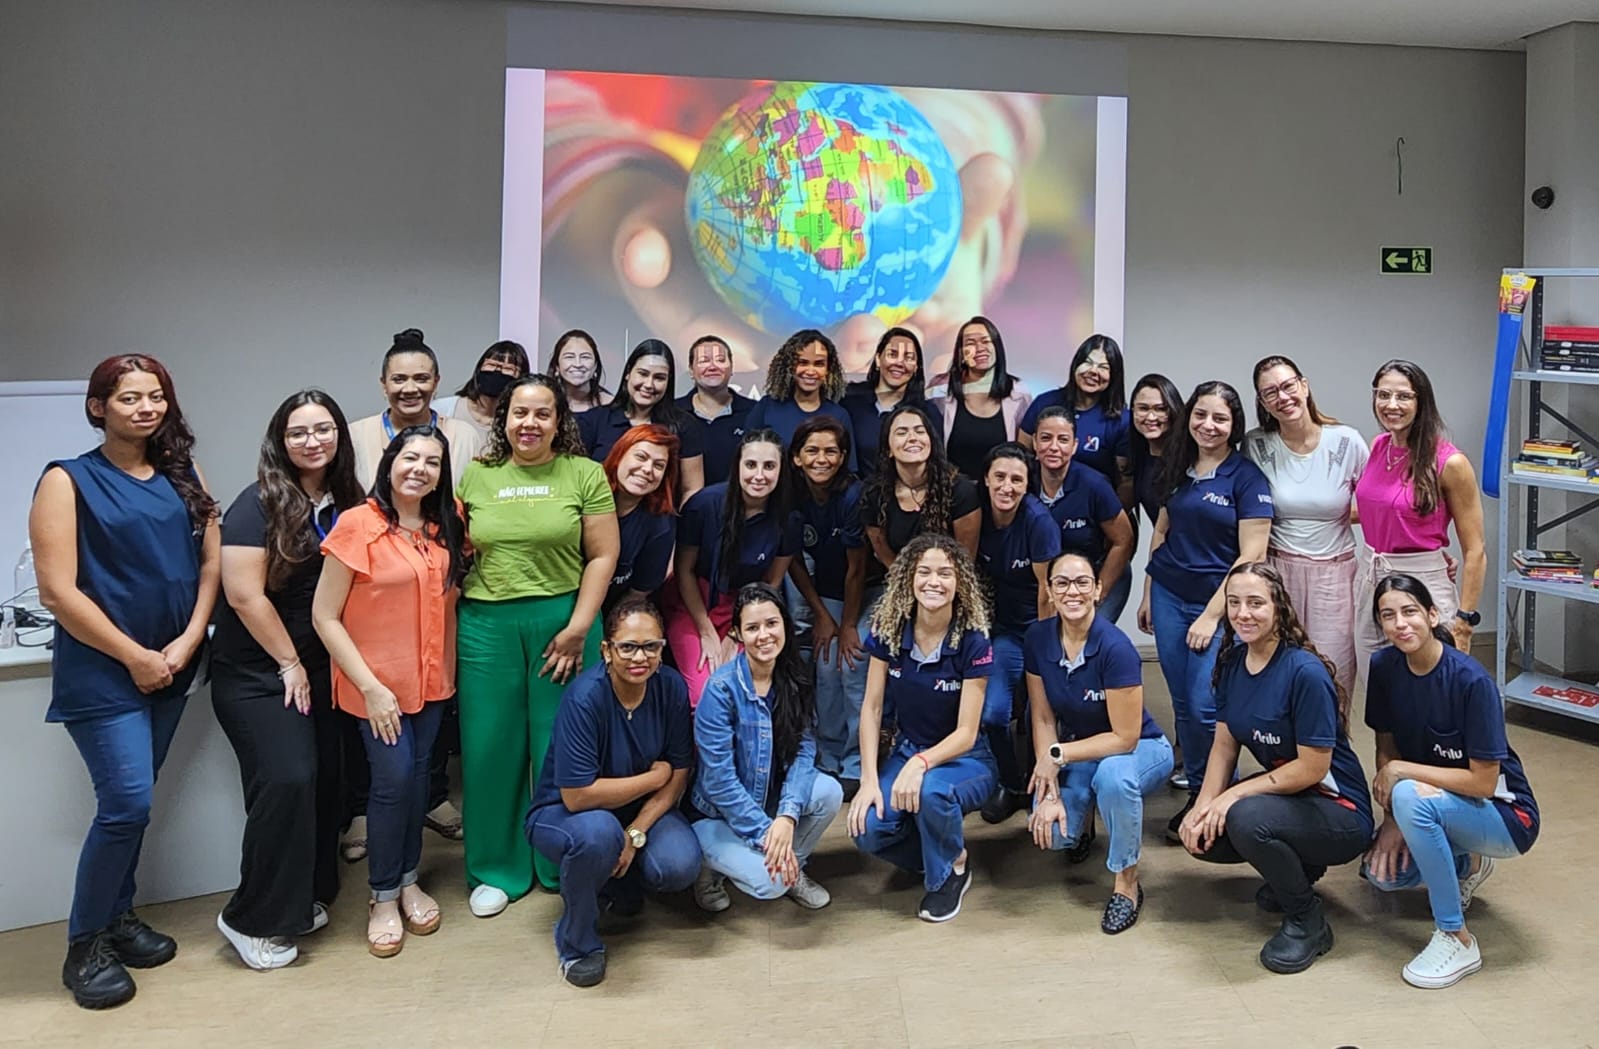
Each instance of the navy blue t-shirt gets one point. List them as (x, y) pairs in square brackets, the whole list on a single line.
[(1085, 506), (828, 531), (602, 427), (1446, 717), (1077, 690), (1202, 538), (785, 417), (718, 437), (926, 697), (1147, 494), (1006, 556), (763, 540), (1101, 436), (594, 738), (646, 552), (1291, 702), (867, 425)]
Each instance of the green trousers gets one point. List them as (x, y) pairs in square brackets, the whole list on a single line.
[(507, 711)]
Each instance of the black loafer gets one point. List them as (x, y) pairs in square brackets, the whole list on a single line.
[(139, 946), (1121, 913)]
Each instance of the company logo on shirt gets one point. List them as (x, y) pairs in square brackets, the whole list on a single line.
[(1090, 444), (1093, 695), (946, 685), (985, 659), (1021, 562), (1269, 738), (525, 491), (1448, 753), (1217, 498), (1074, 522), (810, 538), (893, 671), (1264, 498)]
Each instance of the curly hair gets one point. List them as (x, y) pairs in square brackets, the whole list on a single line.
[(940, 498), (1288, 628), (497, 449), (780, 373), (898, 605)]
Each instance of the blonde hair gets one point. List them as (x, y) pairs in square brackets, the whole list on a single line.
[(898, 605)]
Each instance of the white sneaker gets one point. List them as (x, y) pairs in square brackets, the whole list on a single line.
[(487, 901), (1444, 962), (808, 894), (710, 892), (259, 952), (1472, 882), (319, 919)]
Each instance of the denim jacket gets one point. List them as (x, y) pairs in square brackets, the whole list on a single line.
[(733, 735)]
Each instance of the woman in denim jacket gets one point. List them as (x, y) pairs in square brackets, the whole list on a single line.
[(760, 805)]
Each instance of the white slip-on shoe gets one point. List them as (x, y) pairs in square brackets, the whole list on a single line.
[(1472, 882), (259, 952), (808, 894), (319, 919), (1444, 962), (487, 901), (710, 892)]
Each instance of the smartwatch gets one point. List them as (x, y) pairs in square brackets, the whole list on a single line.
[(1472, 619), (637, 837), (1056, 754)]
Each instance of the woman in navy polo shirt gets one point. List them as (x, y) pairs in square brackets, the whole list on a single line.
[(1099, 409), (1085, 506), (637, 468), (1216, 514), (1093, 739), (649, 380), (895, 377), (804, 380), (930, 663), (1018, 541), (730, 534), (1276, 697), (1456, 794)]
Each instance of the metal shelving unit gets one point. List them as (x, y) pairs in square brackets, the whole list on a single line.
[(1531, 687)]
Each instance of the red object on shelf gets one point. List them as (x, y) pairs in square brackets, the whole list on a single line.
[(1580, 697), (1569, 333)]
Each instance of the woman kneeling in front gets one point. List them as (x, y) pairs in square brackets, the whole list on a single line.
[(761, 804), (1456, 794), (605, 810), (930, 665), (1092, 737), (1276, 697)]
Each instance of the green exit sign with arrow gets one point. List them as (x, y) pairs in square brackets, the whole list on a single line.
[(1406, 260)]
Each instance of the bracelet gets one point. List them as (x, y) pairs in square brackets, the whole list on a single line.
[(284, 670), (926, 768)]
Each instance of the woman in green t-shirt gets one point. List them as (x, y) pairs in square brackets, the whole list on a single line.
[(542, 520)]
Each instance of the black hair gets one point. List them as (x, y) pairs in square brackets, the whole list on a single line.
[(438, 506), (816, 424), (497, 449), (1426, 431), (506, 351), (665, 411), (1401, 583), (777, 504), (1003, 381), (780, 372), (793, 700), (1138, 443), (1175, 466), (284, 503), (409, 341), (1010, 450), (592, 395), (940, 500), (632, 605), (1111, 400), (916, 389)]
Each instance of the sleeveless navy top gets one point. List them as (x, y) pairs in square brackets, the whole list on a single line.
[(139, 560)]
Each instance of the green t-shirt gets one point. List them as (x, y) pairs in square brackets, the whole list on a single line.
[(526, 524)]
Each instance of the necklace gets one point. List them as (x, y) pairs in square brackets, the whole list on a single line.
[(1392, 461), (918, 493)]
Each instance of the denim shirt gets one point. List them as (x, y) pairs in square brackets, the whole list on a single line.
[(733, 735)]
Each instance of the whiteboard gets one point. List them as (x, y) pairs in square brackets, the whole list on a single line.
[(39, 422)]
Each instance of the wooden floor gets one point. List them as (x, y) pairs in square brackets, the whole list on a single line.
[(1023, 965)]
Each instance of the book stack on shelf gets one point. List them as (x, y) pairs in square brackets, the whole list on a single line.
[(1564, 459), (1570, 349), (1549, 566)]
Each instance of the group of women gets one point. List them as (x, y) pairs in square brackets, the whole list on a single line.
[(897, 595)]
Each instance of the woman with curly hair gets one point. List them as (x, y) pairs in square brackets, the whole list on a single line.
[(542, 521), (982, 403), (646, 514), (647, 396), (930, 663), (805, 379), (914, 489), (1277, 697)]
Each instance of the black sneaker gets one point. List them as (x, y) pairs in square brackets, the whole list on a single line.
[(1121, 913), (94, 974), (944, 902), (138, 945), (1085, 844), (1174, 827), (1001, 805), (586, 971)]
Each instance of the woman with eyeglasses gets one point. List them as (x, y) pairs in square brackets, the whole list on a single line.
[(1099, 412), (895, 377), (1415, 485), (1312, 462), (497, 367), (648, 393), (980, 400)]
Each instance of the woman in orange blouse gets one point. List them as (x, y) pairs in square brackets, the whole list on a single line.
[(385, 609)]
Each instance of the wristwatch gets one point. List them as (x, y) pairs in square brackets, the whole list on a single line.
[(1472, 619), (1057, 754), (637, 837)]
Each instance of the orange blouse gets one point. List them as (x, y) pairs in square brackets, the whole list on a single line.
[(396, 610)]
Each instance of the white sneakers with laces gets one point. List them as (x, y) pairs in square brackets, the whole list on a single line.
[(1472, 882), (1444, 962), (259, 952)]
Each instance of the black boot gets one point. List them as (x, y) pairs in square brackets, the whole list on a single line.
[(138, 945), (93, 974), (1302, 939), (1174, 825)]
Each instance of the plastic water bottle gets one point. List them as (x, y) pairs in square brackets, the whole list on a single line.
[(8, 628), (26, 581)]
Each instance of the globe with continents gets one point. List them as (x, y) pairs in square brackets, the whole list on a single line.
[(810, 203)]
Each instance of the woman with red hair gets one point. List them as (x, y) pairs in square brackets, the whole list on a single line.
[(636, 467)]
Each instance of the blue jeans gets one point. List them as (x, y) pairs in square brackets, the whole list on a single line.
[(928, 841), (586, 845), (1005, 687), (124, 753), (727, 853), (1443, 832), (1187, 673), (1114, 600), (398, 800), (839, 691), (1118, 785)]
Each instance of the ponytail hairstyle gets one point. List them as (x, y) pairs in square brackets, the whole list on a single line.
[(1401, 583), (1010, 450), (1287, 627), (409, 341), (284, 503), (1426, 431), (438, 506), (793, 682)]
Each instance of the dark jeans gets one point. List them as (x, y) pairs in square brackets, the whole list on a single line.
[(1114, 600), (289, 767), (398, 800), (358, 778), (1281, 835), (124, 753)]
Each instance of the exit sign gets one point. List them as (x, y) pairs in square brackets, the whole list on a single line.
[(1406, 260)]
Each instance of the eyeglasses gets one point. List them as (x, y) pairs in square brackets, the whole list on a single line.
[(1282, 389), (1393, 396), (634, 649), (1153, 411), (299, 438), (1063, 585)]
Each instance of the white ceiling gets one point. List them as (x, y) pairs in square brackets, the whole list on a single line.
[(1427, 23)]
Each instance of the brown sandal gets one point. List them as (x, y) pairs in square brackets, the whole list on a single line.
[(421, 919), (384, 939)]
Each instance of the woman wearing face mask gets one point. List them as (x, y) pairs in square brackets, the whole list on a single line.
[(1085, 508), (648, 381), (803, 381), (731, 533), (759, 805), (497, 368), (409, 375), (1414, 486), (1312, 462), (646, 514), (577, 364), (720, 412), (980, 400), (895, 377), (1456, 794), (915, 490), (1217, 514), (1018, 541), (930, 664), (1099, 412)]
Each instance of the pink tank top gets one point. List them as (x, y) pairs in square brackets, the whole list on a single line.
[(1387, 503)]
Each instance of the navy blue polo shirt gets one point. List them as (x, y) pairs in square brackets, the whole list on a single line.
[(926, 697), (1101, 436), (1085, 506), (763, 539), (1006, 557), (1077, 690), (602, 427), (1291, 702), (867, 423), (594, 738), (785, 417), (646, 552), (828, 531), (1202, 538), (1446, 717), (719, 436)]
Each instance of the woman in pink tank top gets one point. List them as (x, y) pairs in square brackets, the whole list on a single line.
[(1415, 484)]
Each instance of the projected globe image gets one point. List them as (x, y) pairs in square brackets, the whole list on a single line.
[(811, 203)]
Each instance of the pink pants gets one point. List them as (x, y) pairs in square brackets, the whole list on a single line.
[(684, 636), (1323, 593), (1429, 567)]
